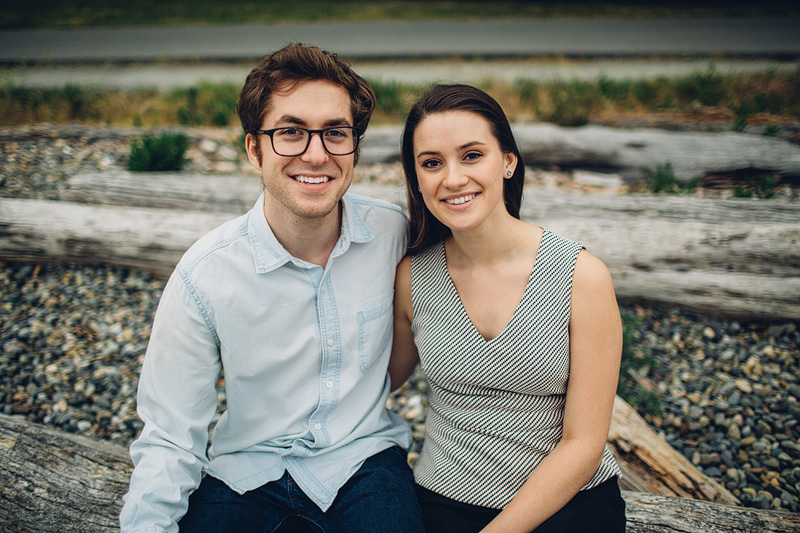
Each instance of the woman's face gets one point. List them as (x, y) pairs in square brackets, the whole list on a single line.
[(460, 168)]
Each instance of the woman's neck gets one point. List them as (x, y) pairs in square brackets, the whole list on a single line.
[(489, 245)]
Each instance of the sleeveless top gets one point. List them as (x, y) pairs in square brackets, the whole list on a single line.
[(497, 406)]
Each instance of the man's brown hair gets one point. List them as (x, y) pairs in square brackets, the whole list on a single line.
[(283, 70)]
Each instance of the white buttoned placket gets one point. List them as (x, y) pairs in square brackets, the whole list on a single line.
[(330, 350)]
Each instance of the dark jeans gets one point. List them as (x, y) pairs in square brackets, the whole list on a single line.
[(378, 498), (597, 510)]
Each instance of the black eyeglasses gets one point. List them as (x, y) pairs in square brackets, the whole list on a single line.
[(293, 141)]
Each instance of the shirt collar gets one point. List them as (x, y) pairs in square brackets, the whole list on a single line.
[(269, 253)]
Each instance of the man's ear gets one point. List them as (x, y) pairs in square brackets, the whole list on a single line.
[(253, 152)]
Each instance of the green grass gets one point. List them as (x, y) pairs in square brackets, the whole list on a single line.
[(567, 103), (634, 367), (17, 14), (662, 180), (760, 187)]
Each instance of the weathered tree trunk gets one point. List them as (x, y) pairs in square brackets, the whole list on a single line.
[(52, 481), (648, 513), (151, 240), (651, 465), (734, 258), (628, 151), (168, 190)]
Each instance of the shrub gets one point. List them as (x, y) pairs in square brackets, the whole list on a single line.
[(614, 90), (389, 96), (527, 91), (764, 186), (158, 154), (573, 103), (633, 367), (662, 179), (770, 102), (708, 88)]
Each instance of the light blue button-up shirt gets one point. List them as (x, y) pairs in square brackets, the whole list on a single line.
[(304, 352)]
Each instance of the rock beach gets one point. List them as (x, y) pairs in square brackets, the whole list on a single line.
[(72, 338)]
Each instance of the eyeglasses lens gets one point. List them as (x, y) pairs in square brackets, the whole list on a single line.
[(294, 141)]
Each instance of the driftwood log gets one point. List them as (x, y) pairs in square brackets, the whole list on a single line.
[(52, 481), (735, 258), (629, 151), (649, 464)]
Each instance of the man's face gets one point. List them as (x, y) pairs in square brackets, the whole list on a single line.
[(308, 186)]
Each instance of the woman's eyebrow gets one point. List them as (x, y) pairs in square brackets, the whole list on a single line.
[(470, 144), (462, 147)]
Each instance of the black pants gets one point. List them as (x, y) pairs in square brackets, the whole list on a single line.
[(597, 510)]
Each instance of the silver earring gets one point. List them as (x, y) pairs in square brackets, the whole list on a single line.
[(509, 172)]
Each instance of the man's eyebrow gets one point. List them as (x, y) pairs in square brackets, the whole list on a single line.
[(291, 119)]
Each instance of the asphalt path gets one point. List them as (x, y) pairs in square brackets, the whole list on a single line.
[(180, 75), (760, 37)]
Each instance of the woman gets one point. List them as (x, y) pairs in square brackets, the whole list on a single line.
[(516, 329)]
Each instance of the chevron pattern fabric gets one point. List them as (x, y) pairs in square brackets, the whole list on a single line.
[(496, 406)]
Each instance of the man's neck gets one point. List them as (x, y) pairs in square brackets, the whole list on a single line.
[(311, 240)]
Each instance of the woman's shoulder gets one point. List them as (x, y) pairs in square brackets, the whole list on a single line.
[(427, 256), (557, 240), (590, 272)]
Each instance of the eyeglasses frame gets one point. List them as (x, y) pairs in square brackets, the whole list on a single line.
[(270, 132)]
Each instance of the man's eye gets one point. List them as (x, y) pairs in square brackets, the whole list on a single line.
[(335, 133), (290, 132)]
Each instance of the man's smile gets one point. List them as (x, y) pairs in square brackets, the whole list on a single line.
[(313, 180)]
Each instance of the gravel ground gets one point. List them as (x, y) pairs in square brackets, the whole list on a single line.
[(72, 339)]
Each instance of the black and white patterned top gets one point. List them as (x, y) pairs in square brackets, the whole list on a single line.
[(497, 406)]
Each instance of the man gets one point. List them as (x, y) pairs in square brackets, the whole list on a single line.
[(292, 301)]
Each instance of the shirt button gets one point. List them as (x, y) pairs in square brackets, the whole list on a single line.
[(323, 288), (329, 384), (317, 426), (331, 341)]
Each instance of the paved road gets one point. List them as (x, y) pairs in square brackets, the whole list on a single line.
[(494, 38), (169, 76)]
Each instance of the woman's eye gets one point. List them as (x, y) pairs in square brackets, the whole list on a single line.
[(430, 163), (472, 155)]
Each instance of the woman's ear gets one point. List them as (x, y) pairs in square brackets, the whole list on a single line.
[(511, 164)]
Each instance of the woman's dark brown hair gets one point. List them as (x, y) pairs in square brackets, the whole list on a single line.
[(425, 229)]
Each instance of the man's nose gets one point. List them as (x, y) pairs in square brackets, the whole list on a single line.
[(315, 153)]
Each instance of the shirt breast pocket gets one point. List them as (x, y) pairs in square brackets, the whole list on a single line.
[(374, 333)]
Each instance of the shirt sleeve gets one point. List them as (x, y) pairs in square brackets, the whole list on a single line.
[(176, 401)]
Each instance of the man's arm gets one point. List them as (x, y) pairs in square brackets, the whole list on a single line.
[(176, 401)]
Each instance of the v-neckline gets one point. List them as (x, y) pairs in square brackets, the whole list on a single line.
[(519, 303)]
